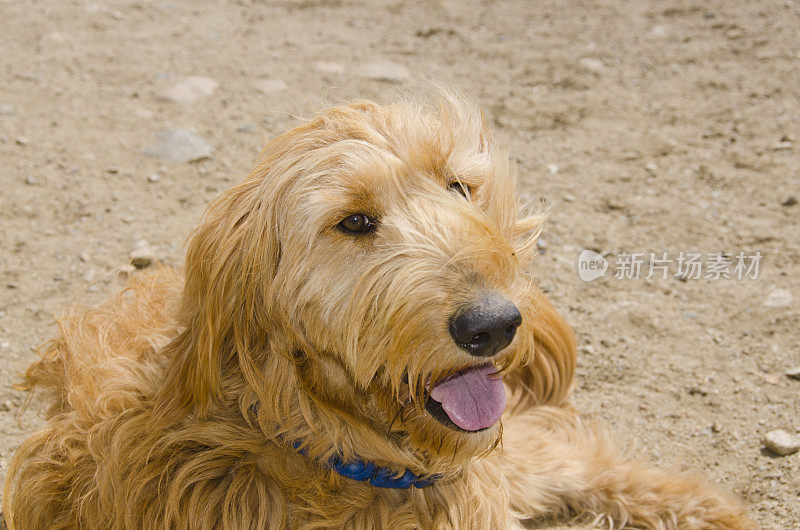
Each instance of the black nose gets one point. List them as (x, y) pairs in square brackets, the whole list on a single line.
[(486, 328)]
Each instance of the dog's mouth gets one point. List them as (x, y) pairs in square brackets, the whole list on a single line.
[(471, 400)]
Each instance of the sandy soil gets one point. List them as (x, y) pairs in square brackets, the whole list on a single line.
[(665, 126)]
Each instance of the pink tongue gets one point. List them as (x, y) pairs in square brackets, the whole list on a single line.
[(474, 399)]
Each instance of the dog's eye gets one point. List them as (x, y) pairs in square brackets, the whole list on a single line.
[(460, 188), (359, 223)]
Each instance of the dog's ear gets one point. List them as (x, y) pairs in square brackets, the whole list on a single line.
[(547, 379), (224, 312)]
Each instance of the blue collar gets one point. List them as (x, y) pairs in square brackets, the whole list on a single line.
[(380, 477)]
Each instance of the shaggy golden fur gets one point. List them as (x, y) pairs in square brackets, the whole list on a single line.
[(173, 405)]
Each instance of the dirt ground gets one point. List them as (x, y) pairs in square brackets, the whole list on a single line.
[(664, 126)]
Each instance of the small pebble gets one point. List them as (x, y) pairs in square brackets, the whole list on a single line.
[(179, 145), (153, 177), (658, 31), (791, 200), (793, 373), (189, 90), (384, 71), (21, 140), (270, 86), (142, 256), (734, 33), (125, 271), (696, 391), (781, 442), (778, 298), (329, 68), (592, 65)]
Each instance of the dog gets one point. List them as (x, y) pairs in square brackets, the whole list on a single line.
[(356, 341)]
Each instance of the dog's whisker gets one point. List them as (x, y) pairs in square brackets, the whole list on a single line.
[(394, 418), (455, 452)]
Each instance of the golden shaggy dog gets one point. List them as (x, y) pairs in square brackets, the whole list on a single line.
[(352, 322)]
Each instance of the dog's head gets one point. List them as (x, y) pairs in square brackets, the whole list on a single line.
[(372, 268)]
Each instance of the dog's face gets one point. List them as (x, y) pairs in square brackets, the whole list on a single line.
[(381, 248), (401, 269)]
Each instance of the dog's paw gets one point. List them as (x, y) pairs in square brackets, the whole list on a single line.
[(690, 509), (737, 520), (720, 515)]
